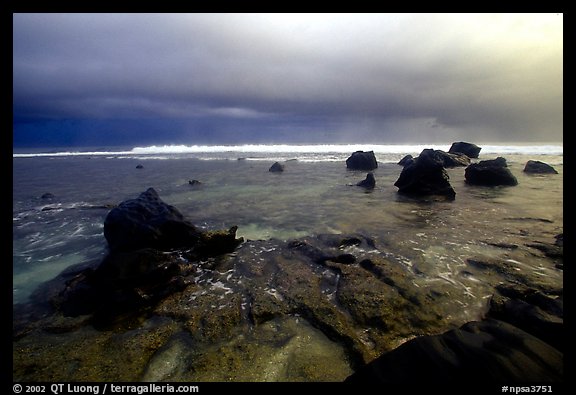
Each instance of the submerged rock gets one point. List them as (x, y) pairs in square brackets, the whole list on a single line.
[(537, 167), (491, 172), (277, 167), (361, 160), (468, 149), (139, 166), (425, 176)]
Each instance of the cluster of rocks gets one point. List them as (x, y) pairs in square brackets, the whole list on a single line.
[(426, 174)]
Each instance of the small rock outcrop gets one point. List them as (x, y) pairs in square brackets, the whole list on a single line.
[(369, 182), (537, 167), (425, 176), (362, 160), (468, 149), (277, 167), (491, 172)]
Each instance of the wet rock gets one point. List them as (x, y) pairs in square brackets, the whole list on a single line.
[(277, 167), (369, 182), (362, 160), (491, 172), (488, 351), (122, 285), (194, 182), (139, 166), (537, 167), (425, 176), (171, 360), (532, 311), (468, 149)]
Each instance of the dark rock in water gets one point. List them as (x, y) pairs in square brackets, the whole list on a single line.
[(139, 166), (478, 352), (361, 160), (47, 195), (276, 168), (537, 167), (406, 160), (148, 222), (140, 269), (425, 176), (491, 172), (369, 182), (194, 182), (468, 149)]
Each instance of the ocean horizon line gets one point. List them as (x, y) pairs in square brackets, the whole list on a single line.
[(343, 148)]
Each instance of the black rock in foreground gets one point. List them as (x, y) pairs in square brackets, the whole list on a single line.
[(521, 340), (478, 352)]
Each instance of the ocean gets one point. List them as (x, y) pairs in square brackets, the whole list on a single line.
[(61, 198)]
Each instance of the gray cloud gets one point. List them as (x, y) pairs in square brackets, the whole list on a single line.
[(378, 75)]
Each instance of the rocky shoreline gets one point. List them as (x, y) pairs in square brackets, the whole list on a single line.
[(173, 303)]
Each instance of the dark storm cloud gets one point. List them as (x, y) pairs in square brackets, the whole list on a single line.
[(370, 75)]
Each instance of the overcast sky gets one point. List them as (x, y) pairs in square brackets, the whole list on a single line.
[(133, 79)]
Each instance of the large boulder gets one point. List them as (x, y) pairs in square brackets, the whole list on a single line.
[(148, 222), (362, 160), (537, 167), (425, 176), (491, 172), (468, 149)]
